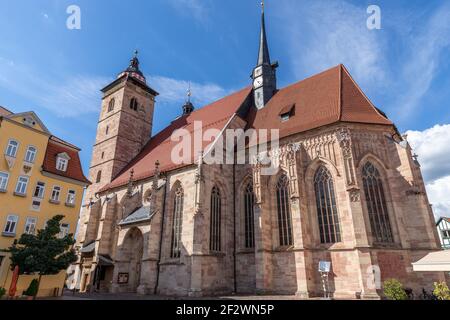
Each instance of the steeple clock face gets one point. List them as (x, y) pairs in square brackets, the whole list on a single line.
[(258, 72), (258, 82)]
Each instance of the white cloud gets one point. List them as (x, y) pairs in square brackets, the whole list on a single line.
[(73, 96), (328, 33), (438, 193), (433, 147), (175, 91)]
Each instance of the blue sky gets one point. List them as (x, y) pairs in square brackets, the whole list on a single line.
[(404, 68)]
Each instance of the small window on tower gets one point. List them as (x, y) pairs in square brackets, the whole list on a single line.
[(134, 104), (112, 102), (107, 130), (99, 177)]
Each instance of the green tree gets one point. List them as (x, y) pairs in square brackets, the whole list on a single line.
[(393, 290), (45, 253), (441, 291)]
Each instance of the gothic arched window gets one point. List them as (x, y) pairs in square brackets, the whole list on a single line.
[(133, 104), (215, 228), (111, 104), (175, 249), (284, 212), (249, 222), (376, 204), (329, 226)]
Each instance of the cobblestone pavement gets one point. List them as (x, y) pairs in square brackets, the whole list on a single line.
[(68, 295)]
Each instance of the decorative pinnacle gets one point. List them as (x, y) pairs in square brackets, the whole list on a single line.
[(136, 52), (262, 5)]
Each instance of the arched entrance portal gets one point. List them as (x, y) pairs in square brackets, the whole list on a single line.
[(132, 251)]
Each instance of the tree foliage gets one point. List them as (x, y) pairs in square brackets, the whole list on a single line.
[(44, 253), (441, 291), (393, 290)]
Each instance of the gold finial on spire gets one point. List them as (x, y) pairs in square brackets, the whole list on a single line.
[(136, 52), (262, 5)]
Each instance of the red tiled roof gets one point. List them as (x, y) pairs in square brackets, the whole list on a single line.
[(159, 148), (74, 170), (320, 100), (4, 112), (323, 99)]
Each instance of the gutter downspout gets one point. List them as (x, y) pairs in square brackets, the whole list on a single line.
[(161, 238)]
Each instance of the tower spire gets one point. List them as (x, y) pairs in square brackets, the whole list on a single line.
[(263, 56), (264, 75)]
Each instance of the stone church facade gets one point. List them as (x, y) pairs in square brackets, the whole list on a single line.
[(347, 190)]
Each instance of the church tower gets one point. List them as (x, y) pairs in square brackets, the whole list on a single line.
[(264, 75), (124, 127)]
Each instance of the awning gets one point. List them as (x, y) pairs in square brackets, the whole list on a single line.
[(105, 261), (89, 248), (140, 215), (435, 261)]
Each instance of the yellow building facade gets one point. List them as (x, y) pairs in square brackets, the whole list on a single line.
[(40, 177)]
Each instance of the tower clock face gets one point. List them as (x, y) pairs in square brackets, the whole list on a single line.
[(258, 71), (258, 82)]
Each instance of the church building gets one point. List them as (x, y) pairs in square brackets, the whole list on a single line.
[(348, 190)]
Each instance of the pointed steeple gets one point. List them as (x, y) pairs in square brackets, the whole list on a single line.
[(263, 56), (188, 107), (264, 75)]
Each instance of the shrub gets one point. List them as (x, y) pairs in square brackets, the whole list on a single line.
[(32, 288), (441, 291), (2, 292), (393, 290)]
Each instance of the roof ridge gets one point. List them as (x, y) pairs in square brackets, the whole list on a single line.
[(309, 78)]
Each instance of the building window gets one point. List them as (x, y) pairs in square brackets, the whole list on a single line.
[(249, 217), (376, 204), (284, 212), (133, 104), (329, 226), (175, 251), (99, 177), (30, 226), (446, 234), (56, 192), (63, 230), (30, 155), (215, 228), (61, 164), (111, 104), (22, 184), (39, 191), (4, 177), (107, 130), (71, 198), (11, 149), (1, 260), (11, 224)]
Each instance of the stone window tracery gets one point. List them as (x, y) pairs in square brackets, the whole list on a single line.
[(249, 215), (376, 204), (215, 227), (327, 213), (284, 212), (175, 248)]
